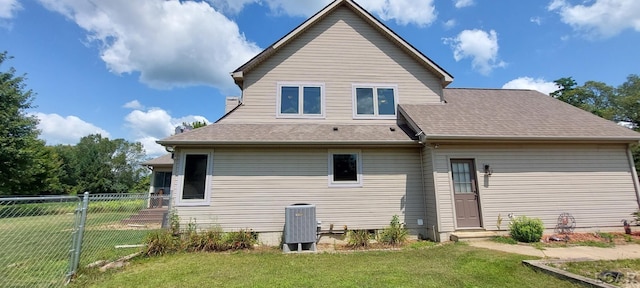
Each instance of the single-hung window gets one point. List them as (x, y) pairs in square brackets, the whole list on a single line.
[(345, 169), (374, 101), (195, 178), (300, 100)]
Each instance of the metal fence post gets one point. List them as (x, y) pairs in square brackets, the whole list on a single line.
[(77, 241)]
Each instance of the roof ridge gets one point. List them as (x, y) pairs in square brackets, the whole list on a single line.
[(481, 88)]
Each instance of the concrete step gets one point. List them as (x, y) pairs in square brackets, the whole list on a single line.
[(472, 235)]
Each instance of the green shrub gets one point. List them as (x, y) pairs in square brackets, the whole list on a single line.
[(243, 239), (358, 238), (160, 242), (395, 234), (214, 240), (526, 230), (174, 221)]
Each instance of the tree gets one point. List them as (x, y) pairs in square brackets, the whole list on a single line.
[(595, 97), (26, 166), (628, 101), (101, 165)]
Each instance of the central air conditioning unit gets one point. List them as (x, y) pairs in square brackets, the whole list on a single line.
[(300, 228)]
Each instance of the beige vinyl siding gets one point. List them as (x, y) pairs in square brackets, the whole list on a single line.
[(252, 187), (431, 220), (591, 182), (339, 51)]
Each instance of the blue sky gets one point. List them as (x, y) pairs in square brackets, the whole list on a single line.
[(136, 69)]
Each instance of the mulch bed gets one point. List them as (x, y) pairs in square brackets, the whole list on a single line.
[(617, 238)]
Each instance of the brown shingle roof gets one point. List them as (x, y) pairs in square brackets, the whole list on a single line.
[(502, 114), (272, 134), (164, 160)]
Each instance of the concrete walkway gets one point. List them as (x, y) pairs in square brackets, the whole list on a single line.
[(627, 251)]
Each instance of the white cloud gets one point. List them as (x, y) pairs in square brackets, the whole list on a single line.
[(463, 3), (8, 8), (403, 12), (480, 46), (536, 20), (603, 18), (152, 148), (450, 24), (65, 130), (154, 124), (532, 84), (170, 43), (135, 104)]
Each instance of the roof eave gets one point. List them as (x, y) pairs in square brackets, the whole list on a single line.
[(280, 143), (495, 138)]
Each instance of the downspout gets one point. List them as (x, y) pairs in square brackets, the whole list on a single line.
[(634, 175), (424, 195)]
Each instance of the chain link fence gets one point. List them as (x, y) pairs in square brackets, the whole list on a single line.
[(44, 241)]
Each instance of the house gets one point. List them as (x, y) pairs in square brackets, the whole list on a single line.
[(344, 114)]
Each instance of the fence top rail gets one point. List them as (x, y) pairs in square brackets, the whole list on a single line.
[(32, 198)]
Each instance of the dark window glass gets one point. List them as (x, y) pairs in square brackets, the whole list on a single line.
[(312, 100), (162, 179), (345, 167), (195, 174), (364, 99), (289, 100), (386, 102)]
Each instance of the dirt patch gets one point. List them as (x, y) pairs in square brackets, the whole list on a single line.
[(120, 226), (373, 246)]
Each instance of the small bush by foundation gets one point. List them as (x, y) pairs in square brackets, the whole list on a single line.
[(395, 234), (358, 238), (524, 229)]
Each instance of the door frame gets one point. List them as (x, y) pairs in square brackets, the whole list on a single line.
[(453, 193)]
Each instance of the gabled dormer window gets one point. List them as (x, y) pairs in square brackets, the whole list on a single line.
[(300, 100), (374, 101)]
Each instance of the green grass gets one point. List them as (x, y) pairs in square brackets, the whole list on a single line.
[(504, 240), (35, 249), (451, 265), (591, 269)]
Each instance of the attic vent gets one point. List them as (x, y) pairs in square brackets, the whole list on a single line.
[(300, 227)]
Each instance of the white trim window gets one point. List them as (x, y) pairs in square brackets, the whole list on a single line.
[(345, 168), (375, 101), (194, 180), (300, 100)]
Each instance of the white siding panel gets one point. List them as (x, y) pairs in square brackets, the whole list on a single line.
[(339, 51), (592, 182), (431, 221), (252, 187)]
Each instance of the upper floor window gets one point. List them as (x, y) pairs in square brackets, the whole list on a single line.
[(374, 101), (300, 100)]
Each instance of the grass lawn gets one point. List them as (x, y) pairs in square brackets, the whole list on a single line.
[(592, 269), (34, 250), (450, 265)]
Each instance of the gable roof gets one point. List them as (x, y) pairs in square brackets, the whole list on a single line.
[(510, 115), (446, 78), (293, 134), (164, 160)]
